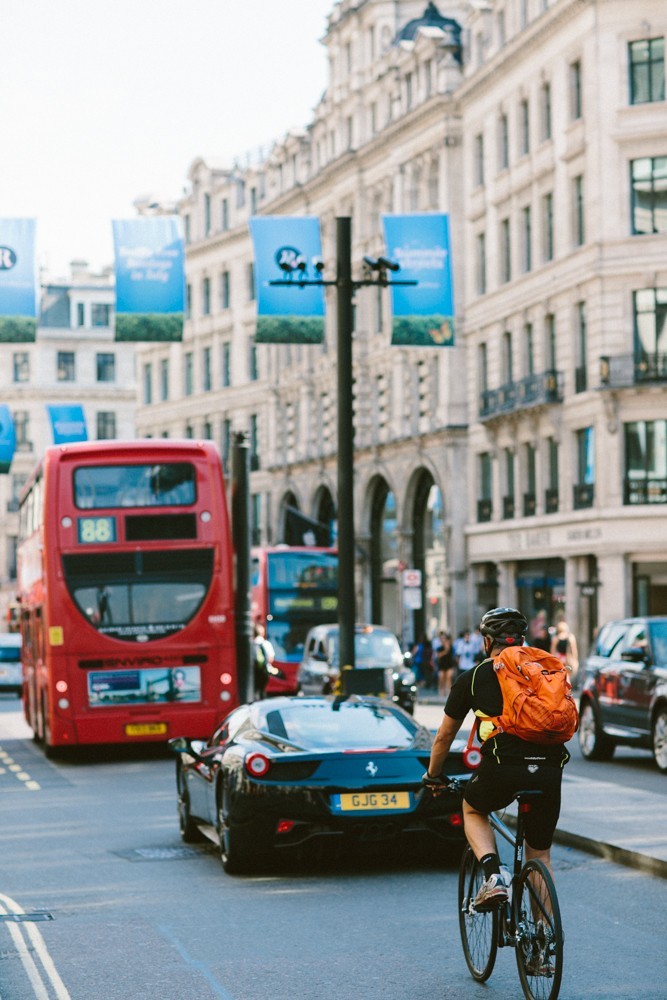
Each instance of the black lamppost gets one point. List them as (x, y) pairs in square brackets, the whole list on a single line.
[(345, 289)]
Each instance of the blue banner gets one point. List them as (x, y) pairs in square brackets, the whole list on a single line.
[(423, 314), (7, 438), (288, 249), (68, 424), (18, 281), (150, 278)]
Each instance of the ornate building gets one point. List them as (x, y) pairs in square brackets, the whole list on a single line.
[(513, 467)]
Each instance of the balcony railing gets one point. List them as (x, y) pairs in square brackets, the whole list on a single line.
[(584, 494), (533, 390), (645, 491), (484, 510), (626, 370), (529, 504), (551, 500), (508, 507)]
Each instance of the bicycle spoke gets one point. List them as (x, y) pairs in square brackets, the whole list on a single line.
[(479, 931), (539, 945)]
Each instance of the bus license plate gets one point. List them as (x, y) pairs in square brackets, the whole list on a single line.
[(369, 801), (146, 729)]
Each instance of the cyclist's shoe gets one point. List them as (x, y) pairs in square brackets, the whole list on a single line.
[(492, 893)]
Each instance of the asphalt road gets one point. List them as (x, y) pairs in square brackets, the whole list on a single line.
[(94, 844)]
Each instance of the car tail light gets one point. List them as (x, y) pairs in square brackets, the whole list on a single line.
[(456, 819), (284, 825), (256, 764)]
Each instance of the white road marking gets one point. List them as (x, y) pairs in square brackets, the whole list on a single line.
[(27, 934)]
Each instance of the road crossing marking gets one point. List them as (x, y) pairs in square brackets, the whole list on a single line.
[(26, 936), (17, 771)]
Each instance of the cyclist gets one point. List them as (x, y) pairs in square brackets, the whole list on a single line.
[(509, 764)]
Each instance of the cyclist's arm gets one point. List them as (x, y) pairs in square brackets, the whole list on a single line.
[(444, 738)]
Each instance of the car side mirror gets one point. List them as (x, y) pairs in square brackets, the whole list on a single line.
[(635, 654), (180, 744)]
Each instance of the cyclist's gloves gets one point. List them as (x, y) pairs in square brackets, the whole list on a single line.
[(440, 782)]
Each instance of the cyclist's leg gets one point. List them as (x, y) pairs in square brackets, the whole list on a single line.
[(534, 854), (478, 831)]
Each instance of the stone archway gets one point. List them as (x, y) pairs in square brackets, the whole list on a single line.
[(429, 554), (384, 548)]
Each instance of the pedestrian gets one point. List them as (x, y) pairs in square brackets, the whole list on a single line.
[(564, 646), (509, 763), (445, 665), (464, 652), (421, 661), (263, 657)]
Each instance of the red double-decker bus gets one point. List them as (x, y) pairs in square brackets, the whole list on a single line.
[(126, 595), (292, 589)]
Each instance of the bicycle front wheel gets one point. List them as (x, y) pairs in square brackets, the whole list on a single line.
[(539, 945), (479, 931)]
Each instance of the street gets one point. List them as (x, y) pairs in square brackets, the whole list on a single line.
[(93, 843)]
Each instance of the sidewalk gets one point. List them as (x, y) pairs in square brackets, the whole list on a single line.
[(624, 825)]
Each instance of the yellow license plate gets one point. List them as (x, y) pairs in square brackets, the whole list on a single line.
[(361, 801), (146, 729)]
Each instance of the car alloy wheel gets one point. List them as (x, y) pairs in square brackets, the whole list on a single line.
[(594, 744), (660, 739)]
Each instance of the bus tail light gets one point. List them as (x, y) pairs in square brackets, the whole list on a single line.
[(256, 764), (61, 687)]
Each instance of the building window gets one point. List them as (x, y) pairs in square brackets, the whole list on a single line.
[(66, 366), (526, 248), (189, 431), (224, 290), (188, 301), (529, 349), (508, 497), (226, 444), (250, 280), (503, 143), (505, 252), (106, 425), (553, 478), (80, 314), (256, 519), (650, 316), (575, 91), (578, 227), (524, 128), (148, 384), (550, 341), (645, 462), (206, 376), (12, 552), (647, 70), (483, 368), (546, 112), (481, 263), (207, 430), (100, 314), (253, 368), (648, 177), (21, 366), (507, 359), (186, 228), (106, 367), (581, 349), (254, 442), (188, 374), (224, 214), (207, 214), (479, 160), (584, 489), (523, 12), (226, 366), (22, 430), (164, 379), (485, 496), (206, 297), (530, 495), (548, 227)]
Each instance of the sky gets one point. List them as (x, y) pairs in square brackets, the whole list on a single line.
[(107, 100)]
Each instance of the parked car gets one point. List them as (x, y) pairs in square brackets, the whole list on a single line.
[(374, 647), (288, 771), (624, 698), (11, 671)]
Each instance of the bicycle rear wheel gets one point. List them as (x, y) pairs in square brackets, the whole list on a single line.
[(479, 931), (539, 946)]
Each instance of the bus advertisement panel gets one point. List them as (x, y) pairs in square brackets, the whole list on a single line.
[(293, 588), (126, 594)]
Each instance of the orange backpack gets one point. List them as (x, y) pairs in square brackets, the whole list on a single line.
[(537, 696)]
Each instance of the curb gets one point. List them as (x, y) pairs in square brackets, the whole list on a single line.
[(611, 852)]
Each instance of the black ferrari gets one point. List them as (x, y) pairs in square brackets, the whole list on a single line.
[(287, 772)]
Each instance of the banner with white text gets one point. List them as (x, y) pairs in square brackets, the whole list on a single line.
[(150, 278), (423, 314), (288, 250), (18, 281), (68, 423)]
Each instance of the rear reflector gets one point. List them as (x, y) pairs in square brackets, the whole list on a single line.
[(284, 825), (456, 819)]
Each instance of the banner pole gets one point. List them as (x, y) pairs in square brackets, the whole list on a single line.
[(346, 585)]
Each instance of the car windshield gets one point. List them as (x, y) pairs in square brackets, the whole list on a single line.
[(658, 632), (371, 649), (346, 725)]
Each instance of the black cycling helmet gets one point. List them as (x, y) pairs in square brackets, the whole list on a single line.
[(504, 623)]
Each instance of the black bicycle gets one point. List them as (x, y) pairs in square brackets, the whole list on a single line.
[(529, 921)]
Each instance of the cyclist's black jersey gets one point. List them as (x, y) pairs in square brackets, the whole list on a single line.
[(479, 689)]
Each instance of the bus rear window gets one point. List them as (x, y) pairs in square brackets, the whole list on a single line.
[(171, 484)]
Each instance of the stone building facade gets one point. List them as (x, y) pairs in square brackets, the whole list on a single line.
[(527, 463)]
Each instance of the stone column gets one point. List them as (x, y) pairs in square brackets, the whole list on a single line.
[(615, 591)]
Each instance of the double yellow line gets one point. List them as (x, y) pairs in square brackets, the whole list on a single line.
[(9, 766)]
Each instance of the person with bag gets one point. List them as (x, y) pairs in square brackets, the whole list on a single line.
[(263, 656), (525, 712)]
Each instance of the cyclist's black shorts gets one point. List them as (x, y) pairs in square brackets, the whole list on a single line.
[(495, 785)]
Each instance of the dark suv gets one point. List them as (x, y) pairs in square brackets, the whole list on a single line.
[(624, 699)]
